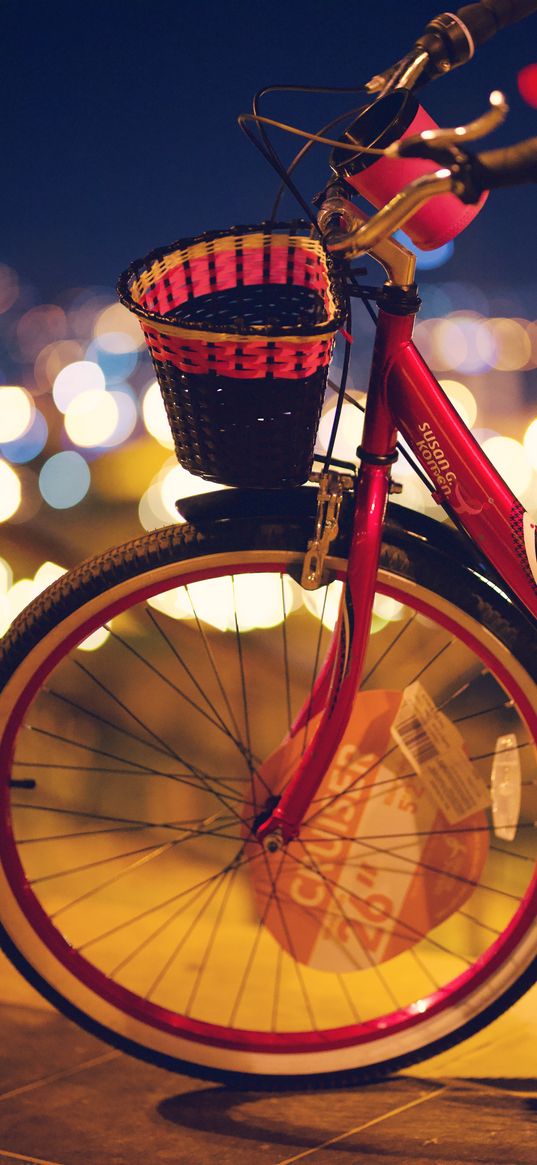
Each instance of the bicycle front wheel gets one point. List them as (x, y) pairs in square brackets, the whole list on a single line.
[(146, 707)]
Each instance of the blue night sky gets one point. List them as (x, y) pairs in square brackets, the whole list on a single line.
[(119, 129)]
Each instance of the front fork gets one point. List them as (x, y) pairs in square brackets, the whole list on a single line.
[(377, 453)]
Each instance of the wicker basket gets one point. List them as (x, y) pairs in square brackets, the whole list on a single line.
[(240, 325)]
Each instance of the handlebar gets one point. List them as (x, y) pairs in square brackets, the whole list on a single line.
[(467, 177), (511, 166), (450, 40)]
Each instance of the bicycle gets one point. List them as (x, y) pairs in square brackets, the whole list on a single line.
[(352, 889)]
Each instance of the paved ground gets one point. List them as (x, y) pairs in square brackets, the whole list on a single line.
[(65, 1099)]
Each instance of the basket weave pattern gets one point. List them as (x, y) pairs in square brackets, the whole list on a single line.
[(259, 306)]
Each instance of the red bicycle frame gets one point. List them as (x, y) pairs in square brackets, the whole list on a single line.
[(405, 397)]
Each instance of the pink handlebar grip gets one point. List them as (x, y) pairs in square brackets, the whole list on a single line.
[(398, 115)]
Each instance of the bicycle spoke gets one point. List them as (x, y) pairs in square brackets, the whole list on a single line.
[(144, 770), (195, 922), (189, 932), (397, 638), (142, 914), (291, 947), (211, 940), (216, 717), (161, 744), (368, 843), (215, 670), (410, 930), (238, 644), (286, 657), (332, 889)]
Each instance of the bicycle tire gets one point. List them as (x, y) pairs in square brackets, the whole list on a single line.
[(416, 1002)]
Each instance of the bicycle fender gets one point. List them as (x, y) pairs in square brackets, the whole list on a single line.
[(299, 504)]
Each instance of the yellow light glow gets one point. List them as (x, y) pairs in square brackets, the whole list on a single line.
[(79, 377), (349, 431), (127, 418), (52, 358), (91, 418), (118, 330), (174, 482), (154, 414), (388, 609), (5, 618), (95, 640), (324, 604), (18, 597), (6, 576), (16, 412), (44, 324), (10, 491), (531, 331), (510, 459), (424, 338), (171, 483), (415, 495), (151, 512), (530, 443), (449, 344), (46, 574), (174, 603), (462, 400), (248, 601), (511, 342)]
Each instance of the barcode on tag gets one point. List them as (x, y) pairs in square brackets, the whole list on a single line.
[(416, 739), (435, 749)]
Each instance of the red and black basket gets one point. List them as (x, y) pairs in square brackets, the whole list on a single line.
[(240, 325)]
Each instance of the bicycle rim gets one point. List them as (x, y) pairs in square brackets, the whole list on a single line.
[(132, 882)]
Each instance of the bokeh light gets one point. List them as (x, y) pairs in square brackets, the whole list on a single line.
[(509, 341), (18, 594), (349, 432), (91, 418), (17, 598), (455, 343), (64, 480), (249, 601), (95, 640), (427, 260), (127, 415), (530, 443), (28, 446), (527, 84), (85, 308), (46, 574), (30, 497), (324, 605), (52, 359), (6, 576), (39, 326), (78, 377), (462, 400), (154, 414), (16, 412), (118, 330), (157, 505), (116, 365), (509, 458), (10, 491), (9, 287)]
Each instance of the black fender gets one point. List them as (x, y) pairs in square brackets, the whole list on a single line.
[(299, 504)]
